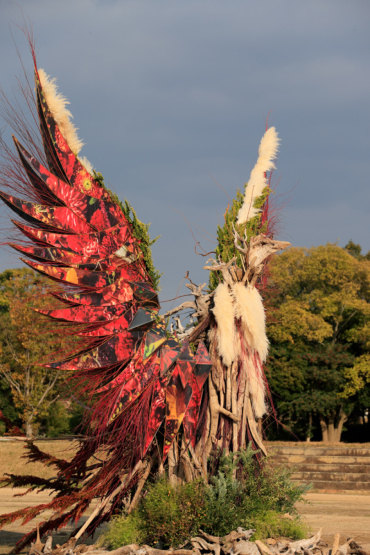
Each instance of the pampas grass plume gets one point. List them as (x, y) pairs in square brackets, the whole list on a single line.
[(267, 153), (57, 104), (226, 333), (249, 308), (86, 164)]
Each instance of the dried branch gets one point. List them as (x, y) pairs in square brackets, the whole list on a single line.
[(186, 304), (222, 267)]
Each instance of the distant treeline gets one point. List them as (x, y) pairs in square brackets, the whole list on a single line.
[(318, 310)]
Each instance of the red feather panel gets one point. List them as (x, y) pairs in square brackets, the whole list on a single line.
[(81, 239), (141, 379)]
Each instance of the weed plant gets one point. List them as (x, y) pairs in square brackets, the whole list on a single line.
[(243, 493)]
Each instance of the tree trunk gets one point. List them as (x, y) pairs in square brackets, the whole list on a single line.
[(28, 427), (332, 427), (324, 430), (331, 430), (309, 431), (342, 418)]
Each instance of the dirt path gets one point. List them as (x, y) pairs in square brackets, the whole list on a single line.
[(347, 514), (11, 534)]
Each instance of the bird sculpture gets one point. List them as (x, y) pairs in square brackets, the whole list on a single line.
[(159, 400)]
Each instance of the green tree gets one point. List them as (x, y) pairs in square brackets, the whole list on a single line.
[(25, 341), (356, 250), (357, 377), (319, 332)]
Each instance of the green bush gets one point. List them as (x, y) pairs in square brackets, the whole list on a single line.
[(123, 530), (171, 515), (242, 494), (255, 491), (272, 524)]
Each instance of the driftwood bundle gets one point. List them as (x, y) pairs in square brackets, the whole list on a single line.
[(236, 384), (236, 543)]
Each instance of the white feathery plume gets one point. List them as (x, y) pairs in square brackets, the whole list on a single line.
[(267, 153), (86, 164), (57, 104), (226, 333), (249, 308)]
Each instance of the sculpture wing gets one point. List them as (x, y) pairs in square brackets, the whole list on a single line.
[(141, 380)]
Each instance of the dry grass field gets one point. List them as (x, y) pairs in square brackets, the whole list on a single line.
[(347, 514), (11, 460)]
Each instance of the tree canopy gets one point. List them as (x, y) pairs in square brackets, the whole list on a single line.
[(319, 333), (26, 340)]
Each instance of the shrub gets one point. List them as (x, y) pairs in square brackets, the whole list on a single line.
[(123, 530), (255, 491), (241, 494), (272, 524), (171, 515)]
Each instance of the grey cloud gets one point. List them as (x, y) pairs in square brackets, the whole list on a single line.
[(165, 93)]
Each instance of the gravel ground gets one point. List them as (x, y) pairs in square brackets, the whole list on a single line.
[(347, 514)]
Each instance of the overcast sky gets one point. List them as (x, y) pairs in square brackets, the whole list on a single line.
[(172, 95)]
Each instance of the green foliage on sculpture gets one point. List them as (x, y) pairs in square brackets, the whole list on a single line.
[(140, 231), (225, 249), (248, 213)]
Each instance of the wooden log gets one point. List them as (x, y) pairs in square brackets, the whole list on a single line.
[(244, 547), (357, 549), (38, 545), (199, 329), (343, 549), (300, 544), (48, 547), (237, 534), (153, 551), (234, 407), (82, 548), (141, 483), (34, 551), (65, 548), (253, 426), (125, 550), (335, 544), (264, 549), (213, 539), (201, 543), (105, 501)]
